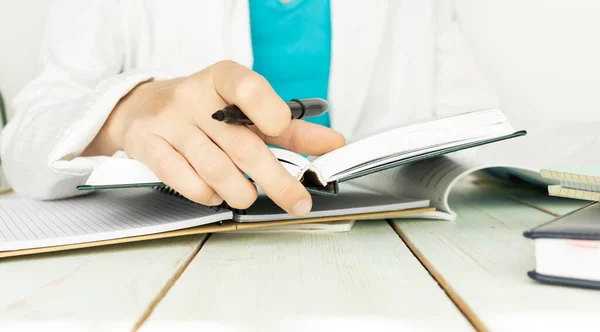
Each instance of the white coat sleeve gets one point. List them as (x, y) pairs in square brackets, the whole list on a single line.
[(460, 82), (60, 112)]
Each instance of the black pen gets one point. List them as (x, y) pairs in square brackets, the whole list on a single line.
[(301, 108)]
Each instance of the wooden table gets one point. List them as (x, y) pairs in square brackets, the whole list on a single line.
[(383, 275)]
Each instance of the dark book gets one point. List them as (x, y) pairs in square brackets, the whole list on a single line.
[(567, 249)]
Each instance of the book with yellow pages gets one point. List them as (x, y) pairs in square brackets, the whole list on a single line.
[(576, 181)]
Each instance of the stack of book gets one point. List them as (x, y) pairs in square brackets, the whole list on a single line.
[(567, 249), (579, 182)]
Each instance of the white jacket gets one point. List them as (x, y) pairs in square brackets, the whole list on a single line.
[(393, 61)]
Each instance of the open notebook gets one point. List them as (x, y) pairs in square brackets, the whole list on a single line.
[(368, 155), (434, 179), (117, 216)]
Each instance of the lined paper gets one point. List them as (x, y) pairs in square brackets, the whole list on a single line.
[(99, 216)]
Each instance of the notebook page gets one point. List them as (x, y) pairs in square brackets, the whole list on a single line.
[(290, 157), (119, 171), (431, 179), (351, 200), (100, 216), (412, 138), (403, 156)]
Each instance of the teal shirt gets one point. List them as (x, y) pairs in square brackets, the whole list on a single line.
[(291, 43)]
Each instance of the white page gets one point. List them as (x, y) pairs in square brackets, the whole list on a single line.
[(384, 161), (351, 200), (433, 179), (469, 126), (103, 215), (369, 152), (120, 171), (290, 157), (125, 171)]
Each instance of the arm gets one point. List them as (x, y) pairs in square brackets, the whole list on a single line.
[(460, 83), (85, 106), (59, 112)]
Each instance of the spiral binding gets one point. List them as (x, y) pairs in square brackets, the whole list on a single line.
[(170, 191)]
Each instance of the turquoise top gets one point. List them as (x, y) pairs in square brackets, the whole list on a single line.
[(291, 42)]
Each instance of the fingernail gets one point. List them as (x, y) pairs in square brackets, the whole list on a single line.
[(216, 200), (302, 207)]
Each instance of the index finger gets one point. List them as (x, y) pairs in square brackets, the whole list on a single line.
[(252, 156), (252, 93), (305, 137)]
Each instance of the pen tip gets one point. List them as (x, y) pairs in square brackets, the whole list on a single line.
[(218, 115)]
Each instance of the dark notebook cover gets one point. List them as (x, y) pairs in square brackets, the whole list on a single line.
[(581, 224), (562, 281)]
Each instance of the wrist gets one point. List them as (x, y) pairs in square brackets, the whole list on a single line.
[(110, 138)]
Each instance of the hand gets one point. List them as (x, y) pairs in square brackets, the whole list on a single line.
[(167, 125)]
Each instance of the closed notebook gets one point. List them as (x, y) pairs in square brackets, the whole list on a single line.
[(108, 217), (374, 153), (567, 249)]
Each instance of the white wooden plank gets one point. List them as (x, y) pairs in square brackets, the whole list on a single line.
[(107, 288), (552, 205), (534, 196), (365, 279), (483, 259)]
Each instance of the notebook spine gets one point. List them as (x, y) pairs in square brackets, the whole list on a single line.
[(172, 192)]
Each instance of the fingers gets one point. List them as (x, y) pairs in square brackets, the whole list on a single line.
[(306, 138), (202, 158), (253, 156), (174, 170), (214, 167), (252, 93)]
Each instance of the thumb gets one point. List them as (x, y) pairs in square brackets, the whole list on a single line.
[(306, 138)]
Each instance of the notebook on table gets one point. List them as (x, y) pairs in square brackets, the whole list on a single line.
[(118, 216), (371, 154), (567, 249)]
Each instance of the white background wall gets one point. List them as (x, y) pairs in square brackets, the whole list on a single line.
[(21, 26), (541, 55), (543, 58)]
